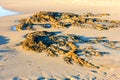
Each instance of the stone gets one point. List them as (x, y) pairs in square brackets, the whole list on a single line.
[(65, 45), (66, 20)]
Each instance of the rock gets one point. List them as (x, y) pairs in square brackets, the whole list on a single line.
[(71, 56), (53, 43), (66, 20)]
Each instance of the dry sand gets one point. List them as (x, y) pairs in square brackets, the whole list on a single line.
[(15, 62)]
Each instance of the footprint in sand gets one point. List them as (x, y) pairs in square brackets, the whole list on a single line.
[(1, 57), (117, 60), (0, 66)]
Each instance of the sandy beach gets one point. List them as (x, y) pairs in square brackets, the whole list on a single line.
[(17, 63)]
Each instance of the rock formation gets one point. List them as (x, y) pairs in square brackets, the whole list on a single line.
[(56, 44), (66, 20)]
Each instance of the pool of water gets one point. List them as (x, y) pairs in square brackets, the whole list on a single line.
[(13, 28), (5, 12)]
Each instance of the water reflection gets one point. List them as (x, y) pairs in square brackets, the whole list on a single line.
[(13, 28)]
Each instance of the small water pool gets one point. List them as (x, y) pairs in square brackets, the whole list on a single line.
[(13, 28), (5, 12)]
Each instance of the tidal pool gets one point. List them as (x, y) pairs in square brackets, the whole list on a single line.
[(13, 28)]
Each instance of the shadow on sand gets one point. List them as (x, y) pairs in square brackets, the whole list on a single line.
[(3, 40), (2, 51)]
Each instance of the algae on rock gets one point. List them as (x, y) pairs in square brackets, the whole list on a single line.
[(66, 20), (56, 44)]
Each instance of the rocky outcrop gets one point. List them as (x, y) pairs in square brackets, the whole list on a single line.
[(67, 46), (66, 20)]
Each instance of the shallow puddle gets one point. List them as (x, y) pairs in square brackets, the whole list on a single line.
[(13, 28)]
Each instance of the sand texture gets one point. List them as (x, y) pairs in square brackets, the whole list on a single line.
[(60, 40)]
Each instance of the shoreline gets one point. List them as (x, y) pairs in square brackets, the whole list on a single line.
[(113, 11), (9, 12)]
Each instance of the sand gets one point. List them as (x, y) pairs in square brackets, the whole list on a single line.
[(17, 63)]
